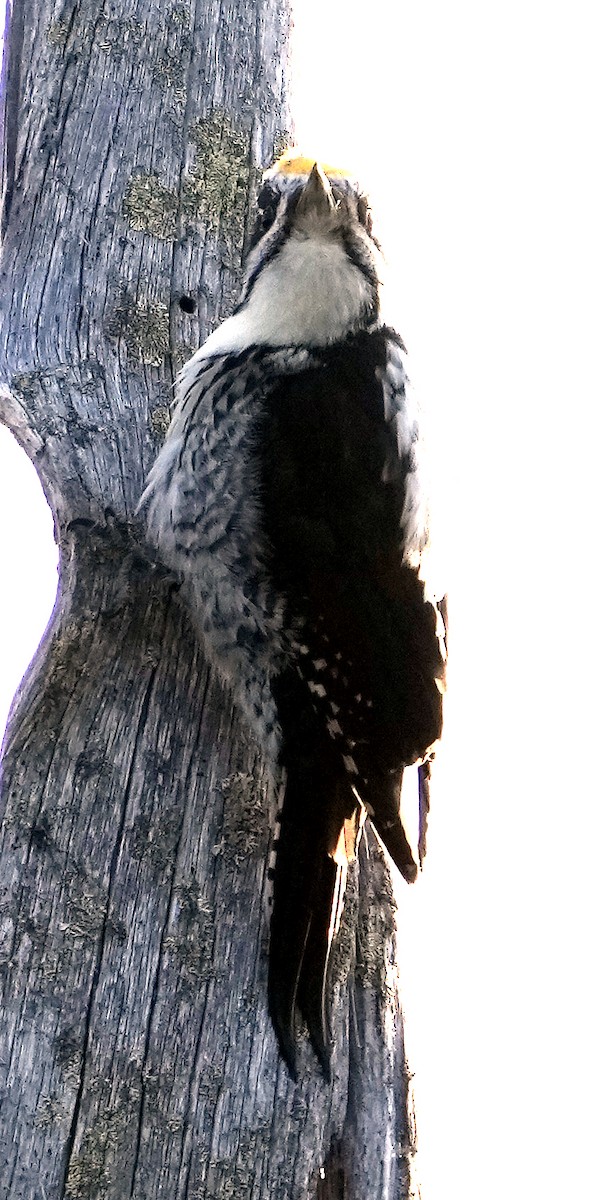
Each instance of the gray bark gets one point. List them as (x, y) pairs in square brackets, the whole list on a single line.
[(136, 1054)]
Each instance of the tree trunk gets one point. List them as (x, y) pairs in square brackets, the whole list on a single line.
[(136, 1054)]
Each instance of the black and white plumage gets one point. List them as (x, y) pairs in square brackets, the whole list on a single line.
[(289, 498)]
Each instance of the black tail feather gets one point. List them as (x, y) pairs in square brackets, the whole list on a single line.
[(384, 810), (424, 784), (305, 881), (289, 936), (312, 995)]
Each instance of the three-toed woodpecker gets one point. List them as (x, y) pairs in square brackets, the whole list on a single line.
[(289, 498)]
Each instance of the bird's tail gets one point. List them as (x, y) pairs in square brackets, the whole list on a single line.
[(381, 796), (318, 832)]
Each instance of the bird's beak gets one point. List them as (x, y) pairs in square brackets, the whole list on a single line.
[(316, 198)]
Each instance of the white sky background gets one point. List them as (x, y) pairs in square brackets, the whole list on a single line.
[(479, 130)]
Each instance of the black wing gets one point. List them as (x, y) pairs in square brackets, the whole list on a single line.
[(362, 696)]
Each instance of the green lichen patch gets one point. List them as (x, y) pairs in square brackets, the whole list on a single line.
[(245, 816), (179, 16), (67, 1046), (86, 908), (144, 326), (118, 36), (169, 72), (27, 384), (217, 188), (159, 421), (181, 354), (191, 936), (57, 33), (150, 207), (155, 838), (89, 1172), (281, 143), (50, 1111)]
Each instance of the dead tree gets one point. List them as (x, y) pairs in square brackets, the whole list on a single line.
[(136, 1054)]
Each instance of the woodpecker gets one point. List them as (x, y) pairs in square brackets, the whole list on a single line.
[(289, 499)]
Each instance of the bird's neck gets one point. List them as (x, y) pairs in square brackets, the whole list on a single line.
[(310, 294)]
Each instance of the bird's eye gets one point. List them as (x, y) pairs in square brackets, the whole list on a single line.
[(364, 214), (267, 205)]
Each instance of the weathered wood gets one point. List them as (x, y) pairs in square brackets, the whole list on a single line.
[(136, 1054)]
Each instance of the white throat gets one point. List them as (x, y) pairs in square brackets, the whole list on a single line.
[(310, 294)]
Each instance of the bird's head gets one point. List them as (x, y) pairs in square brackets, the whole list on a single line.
[(312, 267), (312, 198)]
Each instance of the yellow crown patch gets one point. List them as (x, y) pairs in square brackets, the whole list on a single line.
[(293, 163)]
